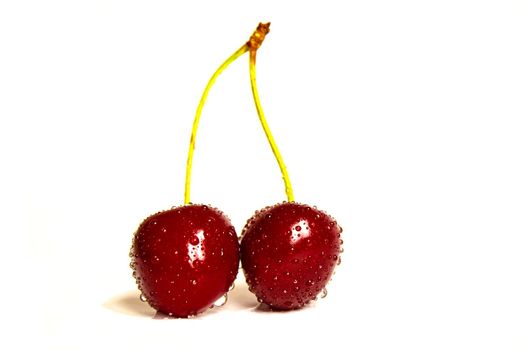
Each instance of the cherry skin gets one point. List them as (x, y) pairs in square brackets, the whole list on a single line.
[(184, 259), (288, 253)]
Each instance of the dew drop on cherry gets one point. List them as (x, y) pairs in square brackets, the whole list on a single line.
[(221, 301)]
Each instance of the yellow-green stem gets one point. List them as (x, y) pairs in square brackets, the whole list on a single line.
[(264, 123), (198, 113)]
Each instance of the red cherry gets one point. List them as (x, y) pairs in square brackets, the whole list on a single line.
[(184, 259), (288, 253)]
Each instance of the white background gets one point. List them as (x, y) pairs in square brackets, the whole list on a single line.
[(403, 119)]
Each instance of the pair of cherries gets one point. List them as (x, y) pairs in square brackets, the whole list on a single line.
[(186, 258)]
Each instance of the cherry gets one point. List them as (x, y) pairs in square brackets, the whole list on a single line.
[(288, 251), (288, 254), (184, 259)]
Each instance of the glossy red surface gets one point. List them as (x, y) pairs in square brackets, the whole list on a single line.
[(185, 258), (288, 254)]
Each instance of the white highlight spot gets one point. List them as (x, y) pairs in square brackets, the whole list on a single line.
[(299, 230), (196, 250)]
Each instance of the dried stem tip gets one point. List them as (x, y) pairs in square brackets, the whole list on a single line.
[(258, 36)]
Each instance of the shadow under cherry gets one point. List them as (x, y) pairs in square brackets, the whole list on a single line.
[(130, 304)]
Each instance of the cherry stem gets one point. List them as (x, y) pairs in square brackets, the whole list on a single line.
[(264, 123), (252, 45), (198, 113)]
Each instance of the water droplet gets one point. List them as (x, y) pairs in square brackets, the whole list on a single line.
[(143, 298), (221, 301), (231, 287), (341, 250), (275, 278), (194, 240), (338, 262), (295, 281), (341, 242), (323, 293), (259, 300), (170, 313), (297, 228), (193, 282), (296, 260)]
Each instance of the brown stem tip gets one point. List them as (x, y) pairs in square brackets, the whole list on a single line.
[(258, 36)]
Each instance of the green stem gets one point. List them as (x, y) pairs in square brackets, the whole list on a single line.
[(264, 123), (198, 113)]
